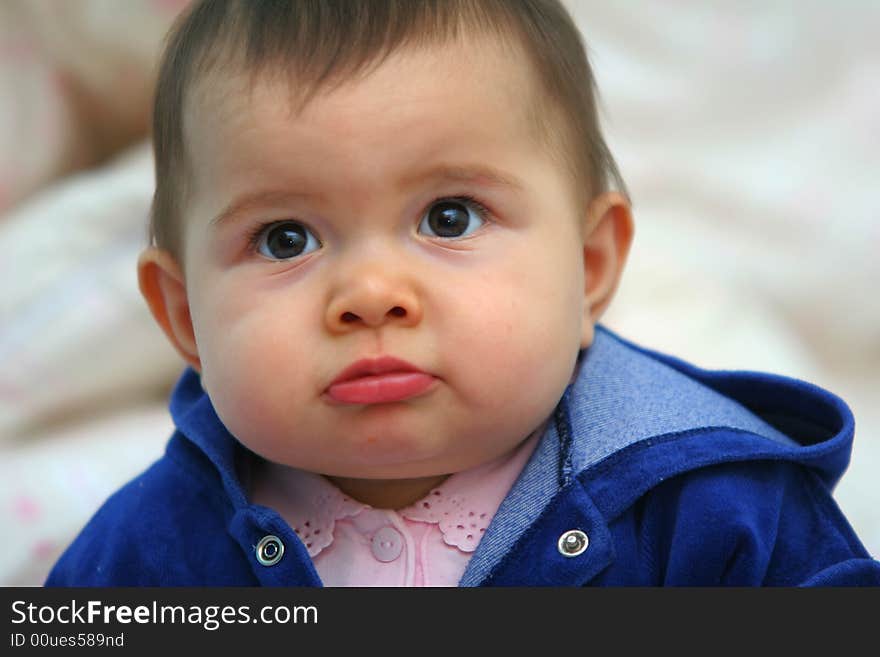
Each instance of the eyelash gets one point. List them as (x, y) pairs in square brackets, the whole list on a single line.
[(484, 212)]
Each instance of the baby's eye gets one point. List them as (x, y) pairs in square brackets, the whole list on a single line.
[(452, 218), (284, 240)]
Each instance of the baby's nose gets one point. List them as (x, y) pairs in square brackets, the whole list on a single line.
[(373, 301)]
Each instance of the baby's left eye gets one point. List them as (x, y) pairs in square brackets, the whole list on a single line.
[(453, 218)]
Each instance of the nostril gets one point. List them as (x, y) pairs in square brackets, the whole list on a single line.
[(349, 317)]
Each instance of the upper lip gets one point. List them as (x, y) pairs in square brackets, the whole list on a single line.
[(373, 367)]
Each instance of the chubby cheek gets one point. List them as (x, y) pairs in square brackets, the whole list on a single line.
[(516, 343), (246, 344)]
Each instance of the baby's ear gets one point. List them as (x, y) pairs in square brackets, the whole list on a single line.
[(162, 284), (608, 234)]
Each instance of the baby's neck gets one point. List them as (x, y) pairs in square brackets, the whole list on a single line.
[(387, 493)]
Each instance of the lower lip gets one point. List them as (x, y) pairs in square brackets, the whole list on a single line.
[(382, 388)]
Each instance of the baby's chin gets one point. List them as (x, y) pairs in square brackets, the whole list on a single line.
[(380, 457)]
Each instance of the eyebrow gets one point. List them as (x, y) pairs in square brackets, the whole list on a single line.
[(474, 174), (478, 173)]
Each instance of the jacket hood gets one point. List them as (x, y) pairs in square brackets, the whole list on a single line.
[(624, 394)]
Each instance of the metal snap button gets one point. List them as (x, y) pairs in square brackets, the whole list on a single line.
[(269, 550), (572, 543)]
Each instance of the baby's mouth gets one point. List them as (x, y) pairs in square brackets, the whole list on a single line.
[(379, 381)]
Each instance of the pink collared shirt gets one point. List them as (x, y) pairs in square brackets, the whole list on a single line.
[(428, 543)]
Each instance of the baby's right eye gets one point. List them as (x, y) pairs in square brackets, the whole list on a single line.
[(284, 240)]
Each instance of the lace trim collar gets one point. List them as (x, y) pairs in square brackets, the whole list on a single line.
[(462, 506)]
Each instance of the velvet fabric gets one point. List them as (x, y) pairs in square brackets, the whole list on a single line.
[(678, 476)]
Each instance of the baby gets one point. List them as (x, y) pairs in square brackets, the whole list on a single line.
[(383, 235)]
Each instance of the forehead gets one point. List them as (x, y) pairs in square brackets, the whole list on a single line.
[(472, 92)]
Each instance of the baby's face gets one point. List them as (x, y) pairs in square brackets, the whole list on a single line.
[(410, 215)]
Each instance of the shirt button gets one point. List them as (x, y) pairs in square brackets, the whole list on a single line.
[(387, 544)]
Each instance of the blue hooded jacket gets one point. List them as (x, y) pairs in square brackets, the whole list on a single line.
[(669, 474)]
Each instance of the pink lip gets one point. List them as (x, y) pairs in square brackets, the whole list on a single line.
[(379, 380)]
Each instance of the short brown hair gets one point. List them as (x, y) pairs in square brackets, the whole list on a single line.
[(321, 42)]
